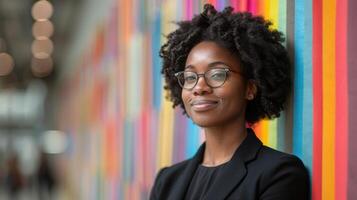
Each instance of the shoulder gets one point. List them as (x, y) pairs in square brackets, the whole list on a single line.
[(282, 175), (166, 177), (277, 163), (276, 158)]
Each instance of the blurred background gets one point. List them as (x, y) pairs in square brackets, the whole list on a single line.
[(35, 37), (83, 114)]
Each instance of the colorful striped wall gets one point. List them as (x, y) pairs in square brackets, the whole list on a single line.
[(123, 130)]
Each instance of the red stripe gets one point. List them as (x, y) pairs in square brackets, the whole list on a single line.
[(235, 4), (243, 5), (317, 100), (341, 101), (213, 2)]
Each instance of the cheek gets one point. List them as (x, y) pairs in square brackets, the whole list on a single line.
[(185, 98), (232, 96)]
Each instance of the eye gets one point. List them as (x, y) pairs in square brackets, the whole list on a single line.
[(189, 77), (218, 75)]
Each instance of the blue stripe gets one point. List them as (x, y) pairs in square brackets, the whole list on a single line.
[(307, 104), (298, 82), (192, 138), (156, 65)]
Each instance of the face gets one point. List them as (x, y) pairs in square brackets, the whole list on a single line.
[(213, 107)]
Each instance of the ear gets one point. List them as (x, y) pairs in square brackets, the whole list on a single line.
[(251, 91)]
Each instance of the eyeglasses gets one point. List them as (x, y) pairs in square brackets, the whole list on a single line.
[(214, 78)]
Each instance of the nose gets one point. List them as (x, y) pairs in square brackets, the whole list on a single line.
[(201, 87)]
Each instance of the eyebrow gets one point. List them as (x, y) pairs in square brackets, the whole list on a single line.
[(211, 65)]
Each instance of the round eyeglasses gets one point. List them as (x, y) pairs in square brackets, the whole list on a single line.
[(213, 77)]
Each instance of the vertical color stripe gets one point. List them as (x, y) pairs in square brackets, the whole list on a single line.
[(341, 131), (307, 79), (118, 119), (299, 78), (352, 100), (329, 102), (317, 100)]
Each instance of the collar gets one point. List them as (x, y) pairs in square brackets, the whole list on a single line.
[(233, 173)]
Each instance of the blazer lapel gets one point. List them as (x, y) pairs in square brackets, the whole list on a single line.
[(234, 172), (184, 180)]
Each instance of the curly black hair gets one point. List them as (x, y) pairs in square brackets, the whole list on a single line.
[(263, 57)]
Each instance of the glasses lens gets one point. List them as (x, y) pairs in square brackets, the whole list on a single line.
[(187, 79), (216, 77), (190, 79)]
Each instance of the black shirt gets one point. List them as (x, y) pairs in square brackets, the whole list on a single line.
[(202, 180)]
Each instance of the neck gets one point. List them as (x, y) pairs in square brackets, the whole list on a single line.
[(222, 142)]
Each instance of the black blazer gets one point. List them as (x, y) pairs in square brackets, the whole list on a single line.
[(254, 172)]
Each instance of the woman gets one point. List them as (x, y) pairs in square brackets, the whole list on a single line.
[(229, 70)]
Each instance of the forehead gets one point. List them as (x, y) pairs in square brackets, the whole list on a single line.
[(207, 52)]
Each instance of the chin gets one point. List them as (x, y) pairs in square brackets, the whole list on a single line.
[(206, 121)]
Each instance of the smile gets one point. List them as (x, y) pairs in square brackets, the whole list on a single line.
[(203, 105)]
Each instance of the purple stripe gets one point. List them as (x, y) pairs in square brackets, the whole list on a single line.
[(352, 91), (179, 143)]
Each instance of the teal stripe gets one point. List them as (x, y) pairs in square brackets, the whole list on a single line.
[(282, 17), (142, 15), (282, 119), (156, 62), (128, 145), (298, 79)]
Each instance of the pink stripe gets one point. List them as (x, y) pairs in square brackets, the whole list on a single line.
[(188, 9), (145, 148), (341, 101), (253, 6), (121, 144)]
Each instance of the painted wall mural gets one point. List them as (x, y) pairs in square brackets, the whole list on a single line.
[(123, 130)]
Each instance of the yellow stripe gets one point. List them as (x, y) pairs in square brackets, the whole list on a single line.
[(274, 13), (328, 118), (166, 134), (263, 9), (272, 125), (165, 145)]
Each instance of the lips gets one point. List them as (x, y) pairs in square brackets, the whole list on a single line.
[(200, 105)]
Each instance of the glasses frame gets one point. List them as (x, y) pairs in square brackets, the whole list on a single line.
[(177, 74)]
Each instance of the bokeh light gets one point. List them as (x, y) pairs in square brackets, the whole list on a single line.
[(41, 67), (54, 142), (6, 64), (42, 10), (42, 48), (42, 29)]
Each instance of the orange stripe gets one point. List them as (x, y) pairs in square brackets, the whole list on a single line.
[(329, 103), (261, 131)]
